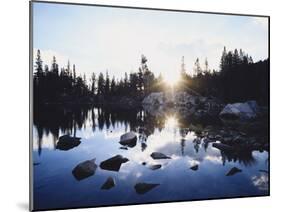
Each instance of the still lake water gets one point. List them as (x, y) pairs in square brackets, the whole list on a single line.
[(100, 130)]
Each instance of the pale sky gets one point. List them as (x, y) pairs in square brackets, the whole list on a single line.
[(97, 39)]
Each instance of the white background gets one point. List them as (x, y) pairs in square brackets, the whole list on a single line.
[(14, 111)]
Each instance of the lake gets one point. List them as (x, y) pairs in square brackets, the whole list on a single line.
[(196, 170)]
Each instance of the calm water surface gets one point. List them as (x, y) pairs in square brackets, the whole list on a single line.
[(100, 130)]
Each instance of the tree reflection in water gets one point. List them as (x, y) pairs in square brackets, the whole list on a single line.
[(56, 120)]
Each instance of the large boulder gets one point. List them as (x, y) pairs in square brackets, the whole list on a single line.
[(155, 98), (142, 188), (84, 169), (195, 167), (155, 167), (109, 183), (233, 171), (128, 139), (242, 111), (183, 98), (114, 163), (223, 147), (159, 155), (67, 142)]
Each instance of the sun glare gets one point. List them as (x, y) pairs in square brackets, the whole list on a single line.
[(171, 122), (172, 79)]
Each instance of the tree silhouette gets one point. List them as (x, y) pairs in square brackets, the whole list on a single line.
[(101, 84), (239, 79)]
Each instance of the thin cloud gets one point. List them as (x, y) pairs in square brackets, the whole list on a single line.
[(261, 22)]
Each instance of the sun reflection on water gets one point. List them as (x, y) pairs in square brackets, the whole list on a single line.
[(171, 122)]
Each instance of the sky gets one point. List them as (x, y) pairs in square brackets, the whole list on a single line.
[(100, 39)]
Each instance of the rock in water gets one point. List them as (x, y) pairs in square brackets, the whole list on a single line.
[(84, 169), (128, 139), (159, 155), (233, 171), (109, 183), (242, 111), (264, 171), (154, 167), (194, 168), (114, 163), (142, 188), (223, 147), (67, 142)]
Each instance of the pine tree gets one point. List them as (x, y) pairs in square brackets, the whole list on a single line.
[(147, 76), (68, 68), (101, 84), (107, 84), (46, 68), (236, 59), (74, 73), (93, 85), (206, 68), (39, 64), (223, 58), (133, 83), (197, 67), (113, 86), (54, 66)]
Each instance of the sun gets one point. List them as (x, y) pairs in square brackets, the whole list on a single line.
[(172, 79)]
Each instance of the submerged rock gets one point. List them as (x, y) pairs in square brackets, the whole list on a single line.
[(67, 142), (84, 169), (264, 171), (109, 183), (242, 111), (159, 155), (128, 139), (233, 171), (154, 167), (142, 188), (195, 167), (123, 147), (114, 163)]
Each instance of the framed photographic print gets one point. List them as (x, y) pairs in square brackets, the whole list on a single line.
[(145, 105)]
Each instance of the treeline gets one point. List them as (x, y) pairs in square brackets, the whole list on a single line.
[(54, 85), (239, 78), (62, 85), (135, 84)]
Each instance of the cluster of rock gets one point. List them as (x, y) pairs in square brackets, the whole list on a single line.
[(187, 103), (228, 140), (88, 168)]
